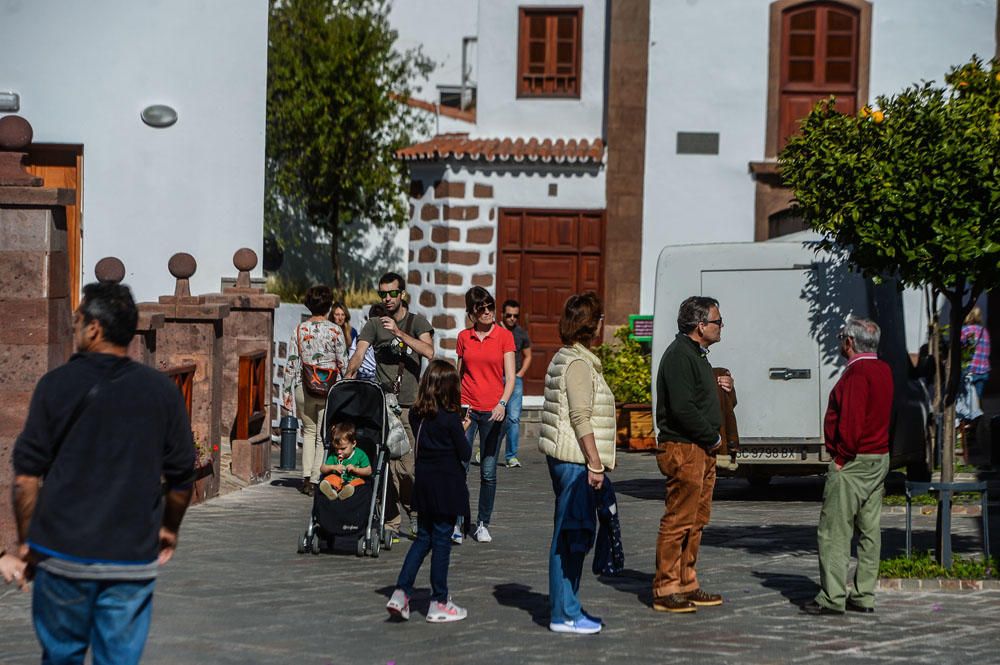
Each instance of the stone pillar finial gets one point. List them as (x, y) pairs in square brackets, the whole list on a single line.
[(110, 269), (15, 136), (245, 260), (182, 265)]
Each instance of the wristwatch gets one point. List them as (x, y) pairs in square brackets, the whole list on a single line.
[(503, 403)]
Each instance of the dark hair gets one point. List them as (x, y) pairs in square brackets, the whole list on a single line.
[(510, 302), (581, 316), (694, 310), (318, 299), (477, 298), (342, 430), (112, 306), (392, 277), (440, 388), (378, 309)]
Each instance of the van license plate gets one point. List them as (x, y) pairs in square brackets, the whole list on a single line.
[(766, 453)]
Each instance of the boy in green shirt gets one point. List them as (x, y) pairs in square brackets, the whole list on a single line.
[(347, 465)]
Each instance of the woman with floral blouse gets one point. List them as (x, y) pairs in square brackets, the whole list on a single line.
[(319, 342)]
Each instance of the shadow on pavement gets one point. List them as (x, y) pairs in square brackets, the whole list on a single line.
[(809, 489), (523, 598), (754, 539), (295, 483), (798, 589), (636, 582)]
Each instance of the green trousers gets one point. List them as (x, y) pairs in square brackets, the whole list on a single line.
[(852, 500)]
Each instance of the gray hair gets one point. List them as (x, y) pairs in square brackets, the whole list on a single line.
[(694, 310), (864, 332)]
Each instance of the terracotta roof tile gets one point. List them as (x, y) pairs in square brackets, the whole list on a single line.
[(460, 146)]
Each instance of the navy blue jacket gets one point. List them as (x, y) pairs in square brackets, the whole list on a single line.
[(442, 452)]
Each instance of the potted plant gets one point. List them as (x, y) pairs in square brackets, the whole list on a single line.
[(628, 371)]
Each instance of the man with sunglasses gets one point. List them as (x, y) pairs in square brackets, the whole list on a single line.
[(401, 340), (688, 419), (522, 361)]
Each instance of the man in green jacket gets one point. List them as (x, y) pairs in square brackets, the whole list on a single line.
[(688, 418)]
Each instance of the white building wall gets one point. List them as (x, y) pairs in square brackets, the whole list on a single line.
[(85, 71), (708, 72), (500, 113), (437, 27)]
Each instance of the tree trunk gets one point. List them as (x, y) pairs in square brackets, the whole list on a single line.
[(333, 226)]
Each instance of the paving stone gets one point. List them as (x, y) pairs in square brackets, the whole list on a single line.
[(237, 592)]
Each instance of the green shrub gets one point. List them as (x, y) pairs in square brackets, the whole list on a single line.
[(627, 368), (963, 498), (924, 566)]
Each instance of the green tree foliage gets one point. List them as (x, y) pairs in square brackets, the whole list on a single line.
[(627, 368), (335, 119), (911, 188)]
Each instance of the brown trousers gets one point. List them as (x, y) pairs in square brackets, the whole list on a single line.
[(690, 473)]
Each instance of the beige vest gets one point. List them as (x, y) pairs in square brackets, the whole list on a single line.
[(558, 439)]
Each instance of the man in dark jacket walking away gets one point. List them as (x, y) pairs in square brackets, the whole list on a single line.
[(688, 418), (856, 430), (103, 432)]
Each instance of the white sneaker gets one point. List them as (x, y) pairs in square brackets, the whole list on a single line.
[(482, 534), (445, 612), (399, 605), (456, 536)]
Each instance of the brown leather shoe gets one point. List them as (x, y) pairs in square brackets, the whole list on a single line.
[(310, 488), (675, 602), (703, 599)]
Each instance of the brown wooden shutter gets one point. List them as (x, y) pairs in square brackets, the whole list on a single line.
[(819, 58), (549, 53)]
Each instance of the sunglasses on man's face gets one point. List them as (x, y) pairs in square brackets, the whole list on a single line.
[(717, 322), (511, 315), (392, 293)]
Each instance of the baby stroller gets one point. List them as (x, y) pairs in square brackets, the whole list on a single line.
[(362, 516)]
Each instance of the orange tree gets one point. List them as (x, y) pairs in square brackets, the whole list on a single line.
[(911, 189)]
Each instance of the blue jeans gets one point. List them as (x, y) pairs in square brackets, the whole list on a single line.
[(489, 445), (512, 426), (979, 382), (111, 617), (431, 535), (565, 566)]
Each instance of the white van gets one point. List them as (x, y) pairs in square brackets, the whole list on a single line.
[(783, 304)]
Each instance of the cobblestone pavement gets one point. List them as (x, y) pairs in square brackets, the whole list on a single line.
[(238, 593)]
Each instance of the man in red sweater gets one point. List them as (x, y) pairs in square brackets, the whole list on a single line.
[(856, 430)]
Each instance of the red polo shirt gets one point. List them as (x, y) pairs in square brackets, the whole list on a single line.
[(482, 366)]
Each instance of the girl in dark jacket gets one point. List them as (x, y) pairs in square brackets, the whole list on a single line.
[(440, 493)]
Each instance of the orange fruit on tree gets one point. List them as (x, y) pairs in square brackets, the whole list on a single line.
[(878, 117)]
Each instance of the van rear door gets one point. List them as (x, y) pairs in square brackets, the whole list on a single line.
[(768, 346)]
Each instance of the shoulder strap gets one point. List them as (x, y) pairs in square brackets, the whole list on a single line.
[(84, 402), (406, 327)]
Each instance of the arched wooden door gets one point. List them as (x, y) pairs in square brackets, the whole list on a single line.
[(545, 256)]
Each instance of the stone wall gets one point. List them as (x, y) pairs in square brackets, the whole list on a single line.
[(453, 242), (36, 335)]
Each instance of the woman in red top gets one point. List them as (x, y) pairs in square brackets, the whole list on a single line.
[(486, 364)]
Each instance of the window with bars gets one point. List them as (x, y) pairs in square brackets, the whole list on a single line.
[(819, 58), (549, 52)]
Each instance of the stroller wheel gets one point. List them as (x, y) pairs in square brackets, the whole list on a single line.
[(387, 539), (376, 546), (314, 545), (303, 545), (361, 547)]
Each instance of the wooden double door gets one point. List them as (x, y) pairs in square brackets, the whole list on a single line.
[(545, 256)]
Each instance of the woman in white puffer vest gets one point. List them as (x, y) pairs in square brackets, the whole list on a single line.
[(578, 439)]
